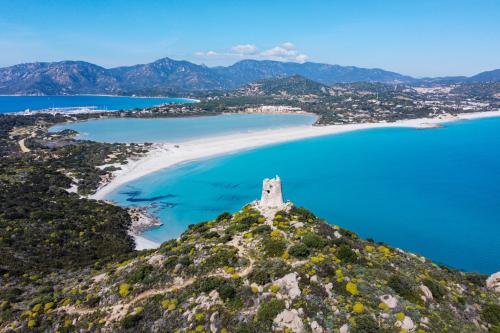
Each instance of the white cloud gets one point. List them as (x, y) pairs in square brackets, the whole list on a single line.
[(207, 54), (244, 49), (283, 52)]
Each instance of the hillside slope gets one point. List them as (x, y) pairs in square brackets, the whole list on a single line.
[(258, 270)]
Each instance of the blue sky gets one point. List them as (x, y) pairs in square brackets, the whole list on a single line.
[(415, 37)]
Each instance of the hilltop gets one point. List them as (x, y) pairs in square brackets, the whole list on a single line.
[(261, 269)]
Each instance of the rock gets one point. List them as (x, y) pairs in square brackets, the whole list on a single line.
[(289, 285), (99, 278), (316, 328), (406, 324), (328, 289), (344, 329), (297, 224), (314, 279), (337, 234), (389, 300), (289, 319), (156, 260), (213, 320), (493, 282), (427, 293)]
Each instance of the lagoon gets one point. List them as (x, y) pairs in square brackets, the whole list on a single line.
[(433, 192), (174, 130)]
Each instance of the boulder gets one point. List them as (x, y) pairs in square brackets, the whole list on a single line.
[(316, 328), (493, 282), (289, 285), (389, 300), (289, 319), (406, 324), (427, 293), (344, 329)]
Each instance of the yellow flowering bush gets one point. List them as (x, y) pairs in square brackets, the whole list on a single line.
[(358, 308), (352, 288)]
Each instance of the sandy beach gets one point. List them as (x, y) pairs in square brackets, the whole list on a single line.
[(167, 155)]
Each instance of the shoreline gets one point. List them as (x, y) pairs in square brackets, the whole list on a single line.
[(168, 155), (165, 155)]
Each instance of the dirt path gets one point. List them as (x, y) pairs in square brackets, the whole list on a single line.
[(23, 147), (119, 310)]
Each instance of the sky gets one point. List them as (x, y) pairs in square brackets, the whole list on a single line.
[(413, 37)]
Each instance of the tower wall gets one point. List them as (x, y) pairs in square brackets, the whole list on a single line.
[(271, 193)]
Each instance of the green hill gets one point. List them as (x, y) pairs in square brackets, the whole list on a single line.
[(287, 271)]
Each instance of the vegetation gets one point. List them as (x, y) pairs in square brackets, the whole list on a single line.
[(309, 272), (68, 264)]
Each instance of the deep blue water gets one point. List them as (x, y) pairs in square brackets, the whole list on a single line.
[(434, 192), (21, 103), (180, 129)]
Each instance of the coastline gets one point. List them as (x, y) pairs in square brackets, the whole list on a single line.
[(167, 155)]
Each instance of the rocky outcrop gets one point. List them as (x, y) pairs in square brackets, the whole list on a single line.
[(142, 220), (493, 282), (290, 319)]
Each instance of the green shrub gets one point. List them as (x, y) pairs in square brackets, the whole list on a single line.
[(222, 256), (299, 251), (199, 227), (365, 324), (269, 310), (274, 247), (403, 287), (314, 241), (130, 321), (185, 261), (476, 278), (346, 254), (210, 283), (302, 213), (491, 314), (226, 291), (211, 234), (225, 238), (267, 270), (140, 273), (262, 229), (224, 216), (437, 290), (170, 262)]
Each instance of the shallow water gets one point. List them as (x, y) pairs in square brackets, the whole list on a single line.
[(180, 129), (434, 192)]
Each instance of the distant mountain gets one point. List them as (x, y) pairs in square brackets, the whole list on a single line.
[(488, 76), (289, 85), (165, 76), (168, 73), (251, 70), (65, 77)]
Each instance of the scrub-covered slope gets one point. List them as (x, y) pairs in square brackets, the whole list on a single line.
[(255, 271)]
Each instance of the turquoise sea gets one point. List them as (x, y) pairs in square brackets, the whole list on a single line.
[(435, 192), (179, 129), (21, 103)]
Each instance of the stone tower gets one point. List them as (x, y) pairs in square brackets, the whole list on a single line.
[(271, 193)]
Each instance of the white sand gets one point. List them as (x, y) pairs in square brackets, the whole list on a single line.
[(167, 155), (142, 243)]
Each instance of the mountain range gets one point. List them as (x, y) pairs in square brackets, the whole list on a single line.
[(166, 75)]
